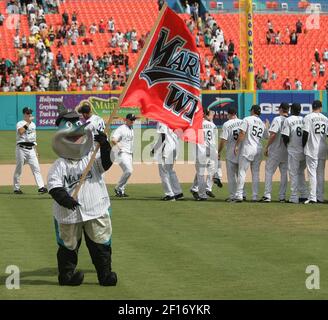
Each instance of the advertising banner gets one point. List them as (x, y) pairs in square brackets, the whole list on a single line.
[(102, 105), (270, 101), (220, 103)]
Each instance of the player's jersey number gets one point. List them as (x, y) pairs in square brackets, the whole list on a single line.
[(257, 132), (320, 128), (235, 134)]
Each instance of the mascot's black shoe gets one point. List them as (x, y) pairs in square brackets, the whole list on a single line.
[(109, 280), (75, 280)]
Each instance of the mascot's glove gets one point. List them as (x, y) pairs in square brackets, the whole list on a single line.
[(101, 138), (105, 149), (61, 196)]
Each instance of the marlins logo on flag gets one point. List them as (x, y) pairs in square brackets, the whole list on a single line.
[(166, 81)]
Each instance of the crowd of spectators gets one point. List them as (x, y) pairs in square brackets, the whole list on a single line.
[(222, 64), (39, 69), (289, 37)]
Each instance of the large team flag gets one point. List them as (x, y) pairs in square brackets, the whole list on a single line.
[(166, 82)]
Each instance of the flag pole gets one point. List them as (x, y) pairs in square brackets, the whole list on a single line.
[(114, 113)]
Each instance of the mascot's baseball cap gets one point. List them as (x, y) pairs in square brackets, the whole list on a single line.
[(131, 117), (256, 109), (63, 113), (27, 110)]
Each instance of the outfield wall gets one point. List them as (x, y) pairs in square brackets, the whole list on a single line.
[(44, 104)]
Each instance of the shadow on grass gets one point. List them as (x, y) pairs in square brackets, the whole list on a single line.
[(44, 272)]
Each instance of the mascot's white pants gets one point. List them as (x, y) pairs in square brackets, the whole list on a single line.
[(98, 230)]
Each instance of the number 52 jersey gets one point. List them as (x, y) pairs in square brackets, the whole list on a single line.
[(254, 130), (316, 124)]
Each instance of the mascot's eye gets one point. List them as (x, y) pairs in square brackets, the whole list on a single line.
[(79, 123), (69, 124)]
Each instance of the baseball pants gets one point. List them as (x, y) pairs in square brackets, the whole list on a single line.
[(125, 162), (271, 166), (217, 173), (243, 166), (169, 178), (316, 175), (202, 184), (25, 156), (298, 186), (232, 174), (97, 234)]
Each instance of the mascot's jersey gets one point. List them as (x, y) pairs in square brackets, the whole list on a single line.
[(93, 196)]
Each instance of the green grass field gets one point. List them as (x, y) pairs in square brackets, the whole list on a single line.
[(181, 250)]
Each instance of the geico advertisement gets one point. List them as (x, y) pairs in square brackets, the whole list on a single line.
[(270, 102)]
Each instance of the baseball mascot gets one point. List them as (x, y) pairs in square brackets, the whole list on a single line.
[(90, 213)]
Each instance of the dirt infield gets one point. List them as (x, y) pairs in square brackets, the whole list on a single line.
[(143, 173)]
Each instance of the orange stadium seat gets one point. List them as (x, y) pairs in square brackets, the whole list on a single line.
[(293, 61)]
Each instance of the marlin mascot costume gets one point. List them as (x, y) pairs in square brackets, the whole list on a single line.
[(90, 212)]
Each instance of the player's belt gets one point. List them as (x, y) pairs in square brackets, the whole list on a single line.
[(25, 147)]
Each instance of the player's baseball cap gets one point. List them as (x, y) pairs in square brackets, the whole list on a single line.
[(27, 110), (85, 108), (316, 104), (284, 106), (295, 108), (131, 117), (256, 109), (232, 111)]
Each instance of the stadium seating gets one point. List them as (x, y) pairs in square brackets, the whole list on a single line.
[(293, 61)]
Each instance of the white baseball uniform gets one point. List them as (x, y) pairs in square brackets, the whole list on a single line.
[(66, 174), (96, 123), (250, 154), (293, 128), (206, 160), (26, 154), (230, 131), (124, 135), (277, 157), (166, 157), (315, 150)]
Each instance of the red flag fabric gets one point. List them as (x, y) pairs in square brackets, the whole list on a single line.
[(166, 82)]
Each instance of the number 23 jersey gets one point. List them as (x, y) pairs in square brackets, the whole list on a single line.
[(254, 130), (316, 124)]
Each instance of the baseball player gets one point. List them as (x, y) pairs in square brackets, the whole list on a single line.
[(315, 149), (277, 156), (123, 139), (251, 131), (166, 149), (90, 212), (94, 122), (229, 136), (26, 152), (206, 160), (291, 133)]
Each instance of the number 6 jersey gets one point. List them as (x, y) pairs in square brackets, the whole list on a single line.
[(316, 124), (293, 128)]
